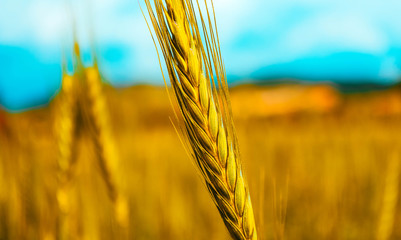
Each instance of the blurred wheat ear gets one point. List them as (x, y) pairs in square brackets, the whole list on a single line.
[(198, 79), (104, 143), (65, 127), (97, 121), (82, 104)]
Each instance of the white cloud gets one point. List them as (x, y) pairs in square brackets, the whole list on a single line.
[(40, 22), (335, 32), (48, 21)]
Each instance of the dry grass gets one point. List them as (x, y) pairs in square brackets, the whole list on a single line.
[(205, 109)]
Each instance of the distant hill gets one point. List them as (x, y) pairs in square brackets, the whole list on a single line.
[(343, 67)]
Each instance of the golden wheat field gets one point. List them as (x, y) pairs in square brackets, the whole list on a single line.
[(319, 165)]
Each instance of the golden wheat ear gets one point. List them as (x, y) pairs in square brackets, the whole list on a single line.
[(99, 123), (93, 114), (198, 80), (65, 129)]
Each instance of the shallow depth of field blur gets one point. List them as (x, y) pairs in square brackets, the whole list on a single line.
[(316, 101)]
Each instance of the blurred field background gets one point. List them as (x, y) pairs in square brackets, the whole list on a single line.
[(325, 163), (316, 98)]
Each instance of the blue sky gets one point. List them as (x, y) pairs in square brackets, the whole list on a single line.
[(338, 40)]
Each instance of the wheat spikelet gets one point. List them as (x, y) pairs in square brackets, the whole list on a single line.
[(205, 110)]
